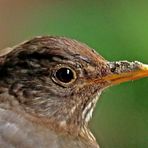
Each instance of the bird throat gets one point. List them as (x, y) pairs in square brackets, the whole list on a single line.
[(88, 110), (78, 124)]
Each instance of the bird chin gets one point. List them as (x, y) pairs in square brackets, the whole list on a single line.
[(88, 111)]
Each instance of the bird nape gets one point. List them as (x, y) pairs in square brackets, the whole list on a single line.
[(49, 87)]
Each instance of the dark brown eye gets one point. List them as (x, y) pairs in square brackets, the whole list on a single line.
[(65, 75)]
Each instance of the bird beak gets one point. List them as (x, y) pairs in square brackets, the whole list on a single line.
[(124, 71)]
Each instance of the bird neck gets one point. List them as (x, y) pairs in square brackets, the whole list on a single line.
[(63, 128), (76, 124)]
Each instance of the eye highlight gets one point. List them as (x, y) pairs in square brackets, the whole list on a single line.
[(64, 75)]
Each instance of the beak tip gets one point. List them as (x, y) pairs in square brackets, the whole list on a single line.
[(141, 66)]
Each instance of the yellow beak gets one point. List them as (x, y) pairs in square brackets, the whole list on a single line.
[(123, 71)]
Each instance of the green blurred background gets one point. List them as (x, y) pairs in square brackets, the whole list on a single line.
[(118, 30)]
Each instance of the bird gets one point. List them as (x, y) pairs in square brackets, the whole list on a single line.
[(49, 87)]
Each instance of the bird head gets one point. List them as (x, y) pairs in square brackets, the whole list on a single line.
[(59, 79)]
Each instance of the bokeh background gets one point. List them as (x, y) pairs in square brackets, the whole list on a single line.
[(118, 30)]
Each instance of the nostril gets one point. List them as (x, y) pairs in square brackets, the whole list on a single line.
[(113, 66), (113, 69)]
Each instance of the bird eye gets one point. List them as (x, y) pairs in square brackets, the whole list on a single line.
[(64, 75)]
